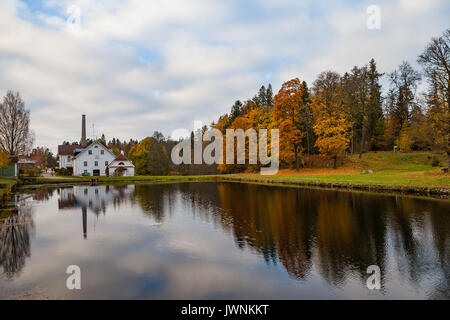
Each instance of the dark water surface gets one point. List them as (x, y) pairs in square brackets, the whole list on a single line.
[(223, 240)]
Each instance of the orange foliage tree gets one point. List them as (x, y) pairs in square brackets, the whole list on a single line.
[(289, 107)]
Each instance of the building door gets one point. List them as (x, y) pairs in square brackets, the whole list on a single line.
[(96, 172)]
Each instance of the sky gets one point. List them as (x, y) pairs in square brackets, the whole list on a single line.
[(135, 66)]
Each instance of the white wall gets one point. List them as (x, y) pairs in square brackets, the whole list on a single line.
[(78, 163), (128, 173), (65, 161)]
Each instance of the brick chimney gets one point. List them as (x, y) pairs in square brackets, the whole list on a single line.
[(83, 130)]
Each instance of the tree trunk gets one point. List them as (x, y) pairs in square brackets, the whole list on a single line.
[(363, 138), (334, 161), (448, 158), (296, 156)]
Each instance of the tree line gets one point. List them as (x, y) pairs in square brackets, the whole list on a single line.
[(348, 114)]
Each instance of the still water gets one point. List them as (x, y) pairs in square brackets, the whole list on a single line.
[(222, 240)]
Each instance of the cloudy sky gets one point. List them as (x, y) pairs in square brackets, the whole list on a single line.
[(136, 66)]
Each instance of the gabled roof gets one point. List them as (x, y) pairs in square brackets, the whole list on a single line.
[(92, 144), (121, 157), (67, 150)]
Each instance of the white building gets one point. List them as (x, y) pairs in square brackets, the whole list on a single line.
[(92, 160), (122, 164)]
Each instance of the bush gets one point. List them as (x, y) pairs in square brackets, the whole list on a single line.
[(435, 162), (63, 172), (30, 172)]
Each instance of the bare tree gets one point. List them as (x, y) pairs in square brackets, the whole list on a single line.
[(15, 135), (436, 62)]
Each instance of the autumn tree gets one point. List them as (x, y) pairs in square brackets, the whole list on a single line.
[(4, 159), (15, 134), (331, 119), (289, 112), (436, 63)]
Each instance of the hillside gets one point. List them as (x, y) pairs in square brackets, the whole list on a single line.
[(396, 169)]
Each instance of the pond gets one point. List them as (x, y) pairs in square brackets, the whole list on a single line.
[(222, 241)]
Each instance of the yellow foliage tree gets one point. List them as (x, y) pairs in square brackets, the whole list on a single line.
[(331, 121), (4, 159)]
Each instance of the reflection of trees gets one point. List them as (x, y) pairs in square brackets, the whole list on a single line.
[(276, 222), (351, 234), (346, 232), (43, 193), (15, 240), (421, 241), (153, 198), (342, 232)]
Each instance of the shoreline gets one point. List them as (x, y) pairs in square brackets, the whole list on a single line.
[(432, 192)]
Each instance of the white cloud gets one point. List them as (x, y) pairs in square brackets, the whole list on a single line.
[(139, 66)]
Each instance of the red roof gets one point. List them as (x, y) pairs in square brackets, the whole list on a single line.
[(121, 157), (65, 150), (36, 158)]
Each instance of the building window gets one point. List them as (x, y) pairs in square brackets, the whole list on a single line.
[(85, 190), (102, 151), (96, 163), (121, 163), (90, 151), (85, 164), (106, 163)]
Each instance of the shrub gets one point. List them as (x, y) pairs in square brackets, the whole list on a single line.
[(435, 162), (30, 172), (63, 172)]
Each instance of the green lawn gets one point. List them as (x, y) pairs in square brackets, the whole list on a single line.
[(116, 179), (391, 177), (9, 184), (392, 170)]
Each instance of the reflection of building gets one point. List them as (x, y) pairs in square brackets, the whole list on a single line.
[(94, 198)]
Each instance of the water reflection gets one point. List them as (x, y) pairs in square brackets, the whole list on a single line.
[(313, 235), (339, 233), (16, 227)]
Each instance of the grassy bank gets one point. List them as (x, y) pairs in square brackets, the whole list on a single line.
[(6, 188), (411, 172), (392, 172), (75, 180)]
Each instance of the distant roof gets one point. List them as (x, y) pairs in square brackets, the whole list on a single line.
[(65, 150)]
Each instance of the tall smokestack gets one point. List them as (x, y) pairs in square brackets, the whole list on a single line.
[(83, 130)]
